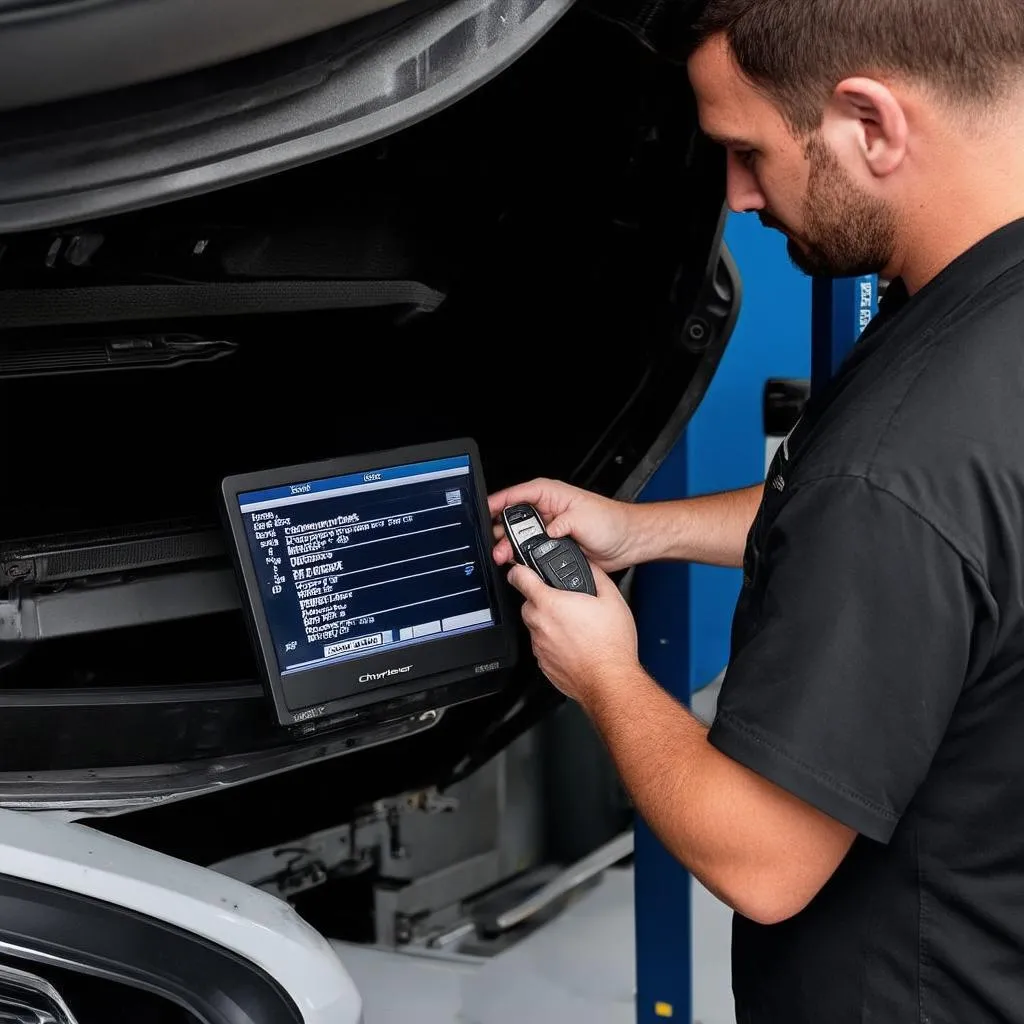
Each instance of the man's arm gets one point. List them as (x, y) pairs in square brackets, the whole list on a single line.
[(832, 709), (711, 529), (618, 534), (756, 847)]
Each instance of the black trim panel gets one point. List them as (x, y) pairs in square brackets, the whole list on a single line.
[(165, 747), (98, 938)]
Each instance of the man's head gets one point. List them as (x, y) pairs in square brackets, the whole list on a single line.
[(833, 111)]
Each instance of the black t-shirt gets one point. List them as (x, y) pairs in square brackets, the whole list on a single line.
[(877, 665)]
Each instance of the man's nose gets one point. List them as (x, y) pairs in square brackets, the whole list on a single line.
[(743, 192)]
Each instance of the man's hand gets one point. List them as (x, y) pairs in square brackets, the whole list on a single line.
[(582, 643), (601, 526), (616, 535)]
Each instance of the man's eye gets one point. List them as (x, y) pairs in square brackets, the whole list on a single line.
[(746, 156)]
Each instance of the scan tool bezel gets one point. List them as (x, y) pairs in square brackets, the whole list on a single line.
[(442, 670)]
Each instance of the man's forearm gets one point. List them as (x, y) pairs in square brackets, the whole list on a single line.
[(711, 530), (756, 847), (663, 758)]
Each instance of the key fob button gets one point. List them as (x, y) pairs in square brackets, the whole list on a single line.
[(562, 562), (574, 582)]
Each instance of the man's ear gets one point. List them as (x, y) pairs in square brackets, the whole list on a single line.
[(865, 118)]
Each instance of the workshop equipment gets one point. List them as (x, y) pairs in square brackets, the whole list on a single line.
[(790, 329)]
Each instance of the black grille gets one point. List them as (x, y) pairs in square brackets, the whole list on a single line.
[(145, 547), (95, 1000)]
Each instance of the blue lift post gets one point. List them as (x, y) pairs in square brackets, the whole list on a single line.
[(684, 612), (841, 311)]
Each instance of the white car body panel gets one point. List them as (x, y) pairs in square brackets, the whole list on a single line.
[(251, 923)]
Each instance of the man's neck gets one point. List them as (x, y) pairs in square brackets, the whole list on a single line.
[(950, 234), (973, 190)]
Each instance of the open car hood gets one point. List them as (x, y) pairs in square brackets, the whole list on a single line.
[(306, 252)]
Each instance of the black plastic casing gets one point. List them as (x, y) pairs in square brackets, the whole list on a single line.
[(458, 668)]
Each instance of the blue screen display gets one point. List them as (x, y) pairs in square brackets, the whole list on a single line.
[(370, 561)]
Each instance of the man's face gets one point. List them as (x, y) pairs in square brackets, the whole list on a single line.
[(796, 185)]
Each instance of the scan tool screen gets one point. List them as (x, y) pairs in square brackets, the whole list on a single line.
[(368, 573)]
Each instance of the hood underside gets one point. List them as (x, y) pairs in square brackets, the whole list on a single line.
[(537, 266)]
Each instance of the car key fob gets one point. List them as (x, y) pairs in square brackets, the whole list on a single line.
[(559, 562)]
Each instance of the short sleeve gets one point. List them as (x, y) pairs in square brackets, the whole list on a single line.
[(857, 652)]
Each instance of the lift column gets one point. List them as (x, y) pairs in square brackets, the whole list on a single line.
[(841, 310), (790, 328)]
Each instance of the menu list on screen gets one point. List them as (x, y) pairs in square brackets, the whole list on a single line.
[(368, 561)]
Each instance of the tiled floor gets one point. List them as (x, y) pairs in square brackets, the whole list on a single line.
[(580, 967)]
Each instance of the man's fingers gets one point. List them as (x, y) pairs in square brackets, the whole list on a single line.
[(534, 492), (603, 582), (528, 492), (527, 582), (529, 614), (503, 552), (560, 526), (496, 502)]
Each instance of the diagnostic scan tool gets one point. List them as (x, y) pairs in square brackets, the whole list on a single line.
[(368, 580)]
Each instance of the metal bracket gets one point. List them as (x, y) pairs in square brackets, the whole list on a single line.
[(572, 878)]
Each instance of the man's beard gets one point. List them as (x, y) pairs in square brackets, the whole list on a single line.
[(846, 232)]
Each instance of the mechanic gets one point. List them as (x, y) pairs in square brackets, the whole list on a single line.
[(859, 798)]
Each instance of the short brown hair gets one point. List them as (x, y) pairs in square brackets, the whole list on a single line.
[(798, 51)]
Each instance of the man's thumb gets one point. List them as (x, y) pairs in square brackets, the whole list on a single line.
[(525, 580), (561, 526)]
